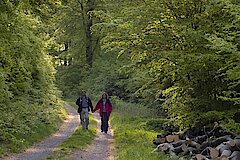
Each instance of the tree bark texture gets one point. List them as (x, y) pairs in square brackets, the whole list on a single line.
[(87, 24), (201, 147), (89, 38)]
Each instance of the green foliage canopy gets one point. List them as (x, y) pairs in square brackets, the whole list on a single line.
[(189, 50), (28, 99)]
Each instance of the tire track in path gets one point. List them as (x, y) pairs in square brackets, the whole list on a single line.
[(102, 148), (42, 149)]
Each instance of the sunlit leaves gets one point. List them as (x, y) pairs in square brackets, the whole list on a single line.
[(189, 50), (27, 92)]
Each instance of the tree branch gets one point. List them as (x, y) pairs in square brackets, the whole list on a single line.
[(82, 13)]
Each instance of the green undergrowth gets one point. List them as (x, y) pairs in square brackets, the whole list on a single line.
[(71, 103), (78, 140), (133, 132), (27, 124)]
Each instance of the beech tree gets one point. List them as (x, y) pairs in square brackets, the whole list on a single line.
[(189, 50), (28, 96)]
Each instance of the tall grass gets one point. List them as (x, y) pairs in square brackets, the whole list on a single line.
[(133, 109), (133, 138)]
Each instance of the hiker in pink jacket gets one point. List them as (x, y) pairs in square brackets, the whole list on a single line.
[(105, 107)]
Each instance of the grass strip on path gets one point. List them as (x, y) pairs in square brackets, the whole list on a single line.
[(80, 139)]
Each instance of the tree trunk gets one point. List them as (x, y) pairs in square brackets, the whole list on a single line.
[(225, 154), (87, 24), (195, 145), (89, 38), (169, 138), (236, 143), (235, 155), (179, 143), (214, 153), (201, 157), (223, 147)]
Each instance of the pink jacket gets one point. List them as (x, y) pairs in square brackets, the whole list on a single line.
[(100, 106)]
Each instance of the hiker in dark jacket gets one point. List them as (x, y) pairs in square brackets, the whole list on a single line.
[(84, 106), (105, 107)]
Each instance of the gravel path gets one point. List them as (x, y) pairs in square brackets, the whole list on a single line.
[(42, 149), (102, 147)]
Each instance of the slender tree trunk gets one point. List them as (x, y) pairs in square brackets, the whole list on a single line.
[(89, 38), (87, 24)]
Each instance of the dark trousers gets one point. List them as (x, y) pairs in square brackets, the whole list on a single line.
[(104, 124)]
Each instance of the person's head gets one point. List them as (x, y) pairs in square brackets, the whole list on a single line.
[(104, 95), (83, 93)]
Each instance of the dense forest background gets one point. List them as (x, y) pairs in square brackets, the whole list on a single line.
[(179, 57)]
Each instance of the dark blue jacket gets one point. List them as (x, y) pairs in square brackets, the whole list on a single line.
[(79, 103)]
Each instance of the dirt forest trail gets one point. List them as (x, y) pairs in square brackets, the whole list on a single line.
[(42, 149), (102, 148)]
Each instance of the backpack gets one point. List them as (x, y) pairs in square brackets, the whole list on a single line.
[(79, 103)]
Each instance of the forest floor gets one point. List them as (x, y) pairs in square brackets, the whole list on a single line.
[(100, 149)]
